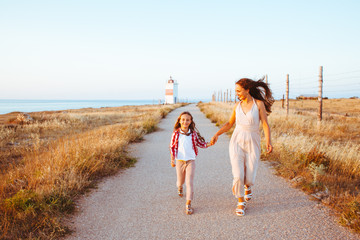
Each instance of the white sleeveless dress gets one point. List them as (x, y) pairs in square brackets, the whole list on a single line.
[(245, 149)]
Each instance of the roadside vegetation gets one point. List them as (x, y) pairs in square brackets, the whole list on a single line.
[(323, 159), (48, 159)]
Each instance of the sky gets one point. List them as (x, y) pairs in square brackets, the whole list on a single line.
[(115, 49)]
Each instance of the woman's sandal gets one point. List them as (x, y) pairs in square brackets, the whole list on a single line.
[(189, 210), (248, 193), (180, 192), (240, 209)]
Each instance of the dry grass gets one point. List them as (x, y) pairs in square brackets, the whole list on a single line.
[(320, 158), (339, 106), (48, 161)]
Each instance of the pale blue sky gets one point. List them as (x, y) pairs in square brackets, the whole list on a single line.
[(128, 49)]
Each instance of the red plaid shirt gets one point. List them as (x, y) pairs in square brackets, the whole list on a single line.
[(174, 143)]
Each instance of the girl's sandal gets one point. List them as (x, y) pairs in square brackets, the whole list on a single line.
[(240, 209), (180, 192), (189, 210), (248, 193)]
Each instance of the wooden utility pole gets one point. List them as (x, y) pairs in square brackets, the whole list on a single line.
[(282, 101), (230, 96), (320, 93), (266, 79), (227, 95), (287, 94)]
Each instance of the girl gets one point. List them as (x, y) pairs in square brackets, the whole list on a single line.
[(183, 148), (255, 103)]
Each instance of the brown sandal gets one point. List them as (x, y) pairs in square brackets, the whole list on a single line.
[(189, 210), (180, 192)]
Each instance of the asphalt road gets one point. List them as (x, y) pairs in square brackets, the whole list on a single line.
[(142, 202)]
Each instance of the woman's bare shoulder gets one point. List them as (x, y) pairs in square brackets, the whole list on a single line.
[(236, 104), (260, 104)]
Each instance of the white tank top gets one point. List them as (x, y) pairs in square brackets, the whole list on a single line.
[(185, 148), (249, 121)]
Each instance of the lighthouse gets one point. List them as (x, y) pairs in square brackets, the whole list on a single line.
[(171, 92)]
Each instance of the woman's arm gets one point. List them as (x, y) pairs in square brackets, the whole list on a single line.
[(265, 125), (226, 127)]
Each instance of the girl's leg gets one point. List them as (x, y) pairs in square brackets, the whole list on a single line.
[(189, 179), (180, 173)]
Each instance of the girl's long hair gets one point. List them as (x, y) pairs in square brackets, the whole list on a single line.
[(192, 126), (258, 90)]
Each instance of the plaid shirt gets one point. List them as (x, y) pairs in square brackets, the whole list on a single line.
[(174, 143)]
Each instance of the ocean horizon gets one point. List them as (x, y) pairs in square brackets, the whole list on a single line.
[(33, 105)]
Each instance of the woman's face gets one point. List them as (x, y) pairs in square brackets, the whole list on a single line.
[(185, 121), (241, 92)]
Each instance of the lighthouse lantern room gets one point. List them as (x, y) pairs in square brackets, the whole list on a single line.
[(171, 92)]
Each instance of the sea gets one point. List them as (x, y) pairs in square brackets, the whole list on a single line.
[(11, 105)]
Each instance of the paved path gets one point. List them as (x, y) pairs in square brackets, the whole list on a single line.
[(142, 202)]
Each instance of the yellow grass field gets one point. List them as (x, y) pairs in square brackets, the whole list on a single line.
[(322, 158), (48, 158)]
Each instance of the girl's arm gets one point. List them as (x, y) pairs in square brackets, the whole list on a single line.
[(199, 143), (172, 148), (265, 125), (226, 127)]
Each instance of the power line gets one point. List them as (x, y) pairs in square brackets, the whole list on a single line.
[(335, 74), (346, 90), (294, 79)]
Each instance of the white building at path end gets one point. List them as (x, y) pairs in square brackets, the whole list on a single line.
[(171, 92)]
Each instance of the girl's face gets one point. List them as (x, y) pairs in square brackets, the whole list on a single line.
[(185, 121), (241, 92)]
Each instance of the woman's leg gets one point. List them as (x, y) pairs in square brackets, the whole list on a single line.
[(237, 159), (252, 159), (237, 166)]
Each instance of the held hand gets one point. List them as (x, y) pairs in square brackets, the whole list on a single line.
[(214, 139), (269, 148)]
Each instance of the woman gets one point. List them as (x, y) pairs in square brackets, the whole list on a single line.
[(254, 106)]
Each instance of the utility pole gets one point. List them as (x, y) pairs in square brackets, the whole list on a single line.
[(320, 93), (287, 94)]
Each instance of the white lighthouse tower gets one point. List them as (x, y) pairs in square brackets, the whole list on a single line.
[(171, 92)]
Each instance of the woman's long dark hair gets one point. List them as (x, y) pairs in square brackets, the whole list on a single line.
[(191, 126), (258, 90)]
